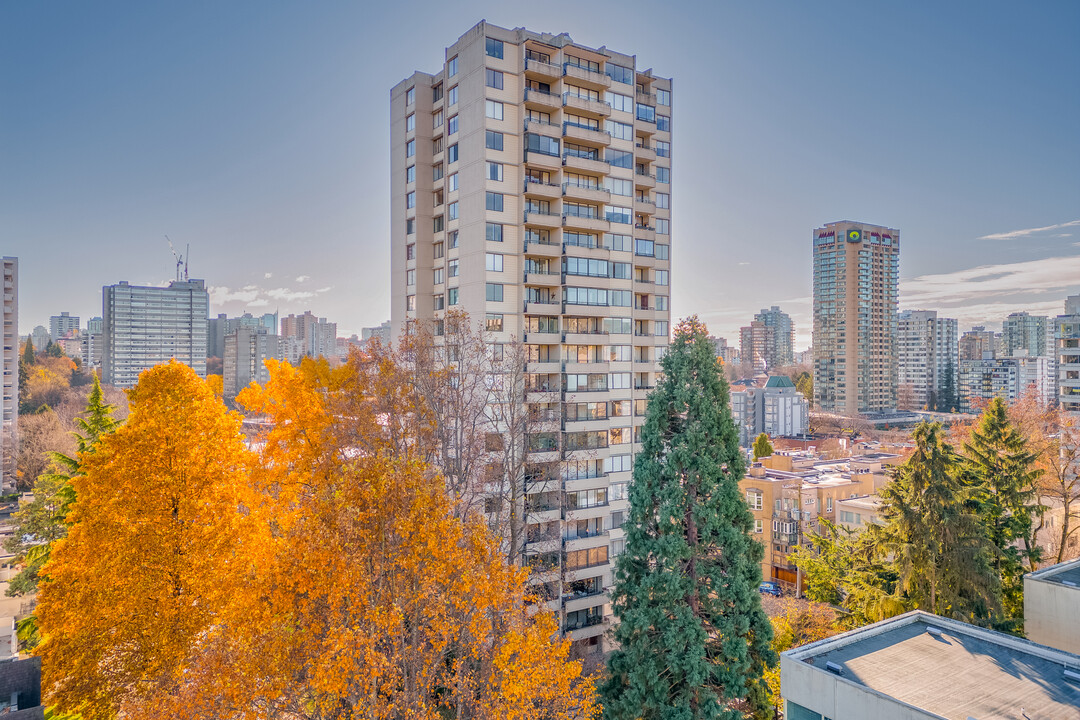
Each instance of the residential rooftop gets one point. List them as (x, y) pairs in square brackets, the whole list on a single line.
[(1067, 573), (945, 668)]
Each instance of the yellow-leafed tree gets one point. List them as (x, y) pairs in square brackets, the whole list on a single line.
[(324, 576), (125, 597), (364, 596)]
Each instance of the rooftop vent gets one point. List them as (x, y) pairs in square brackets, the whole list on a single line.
[(834, 668), (1073, 675), (935, 631)]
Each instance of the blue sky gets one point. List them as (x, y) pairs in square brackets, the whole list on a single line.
[(258, 133)]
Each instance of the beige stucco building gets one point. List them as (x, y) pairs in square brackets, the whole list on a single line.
[(1052, 606), (790, 491), (530, 187)]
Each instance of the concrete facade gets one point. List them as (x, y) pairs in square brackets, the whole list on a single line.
[(1067, 356), (9, 365), (927, 361), (1009, 378), (1052, 606), (247, 349), (783, 335), (757, 345), (63, 324), (530, 187), (856, 280), (148, 326)]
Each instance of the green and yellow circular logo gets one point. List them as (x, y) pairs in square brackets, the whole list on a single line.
[(854, 235)]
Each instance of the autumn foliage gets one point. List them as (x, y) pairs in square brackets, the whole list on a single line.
[(321, 574)]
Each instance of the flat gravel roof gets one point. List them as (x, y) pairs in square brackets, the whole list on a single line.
[(958, 675)]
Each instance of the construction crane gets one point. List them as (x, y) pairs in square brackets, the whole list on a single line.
[(181, 260)]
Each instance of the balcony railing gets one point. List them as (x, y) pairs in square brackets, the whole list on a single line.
[(530, 182), (583, 623)]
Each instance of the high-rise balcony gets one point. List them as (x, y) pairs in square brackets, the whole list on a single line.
[(586, 78), (543, 127), (543, 161), (536, 188), (586, 135), (585, 105), (542, 99), (543, 219), (541, 70), (548, 279), (644, 206), (644, 180), (644, 153), (588, 163), (574, 191), (583, 222)]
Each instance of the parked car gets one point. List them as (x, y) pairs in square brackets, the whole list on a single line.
[(770, 588)]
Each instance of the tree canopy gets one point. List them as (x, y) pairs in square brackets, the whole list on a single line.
[(693, 639)]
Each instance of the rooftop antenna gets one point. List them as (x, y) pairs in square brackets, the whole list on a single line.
[(179, 260)]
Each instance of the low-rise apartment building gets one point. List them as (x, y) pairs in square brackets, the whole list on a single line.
[(788, 492)]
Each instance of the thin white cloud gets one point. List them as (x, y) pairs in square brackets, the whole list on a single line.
[(261, 302), (222, 294), (1013, 234), (267, 276), (992, 283), (328, 288), (303, 278), (287, 295)]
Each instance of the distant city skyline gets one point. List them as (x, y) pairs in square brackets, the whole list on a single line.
[(259, 134)]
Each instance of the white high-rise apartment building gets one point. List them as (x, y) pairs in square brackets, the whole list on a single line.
[(60, 325), (856, 278), (927, 361), (10, 369), (1067, 355), (147, 326), (530, 187), (783, 335), (247, 348), (1023, 333), (1008, 378)]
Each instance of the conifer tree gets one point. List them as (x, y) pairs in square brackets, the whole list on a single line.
[(939, 549), (1001, 468), (762, 446), (45, 519), (693, 638)]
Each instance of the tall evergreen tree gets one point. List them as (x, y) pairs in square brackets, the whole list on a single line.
[(693, 638), (1001, 469), (939, 549)]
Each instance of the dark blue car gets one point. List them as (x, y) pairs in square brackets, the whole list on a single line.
[(770, 588)]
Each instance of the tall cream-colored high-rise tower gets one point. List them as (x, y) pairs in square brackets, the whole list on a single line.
[(9, 406), (530, 187), (856, 278)]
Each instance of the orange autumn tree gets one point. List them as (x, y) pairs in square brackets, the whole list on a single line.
[(127, 594), (358, 594)]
